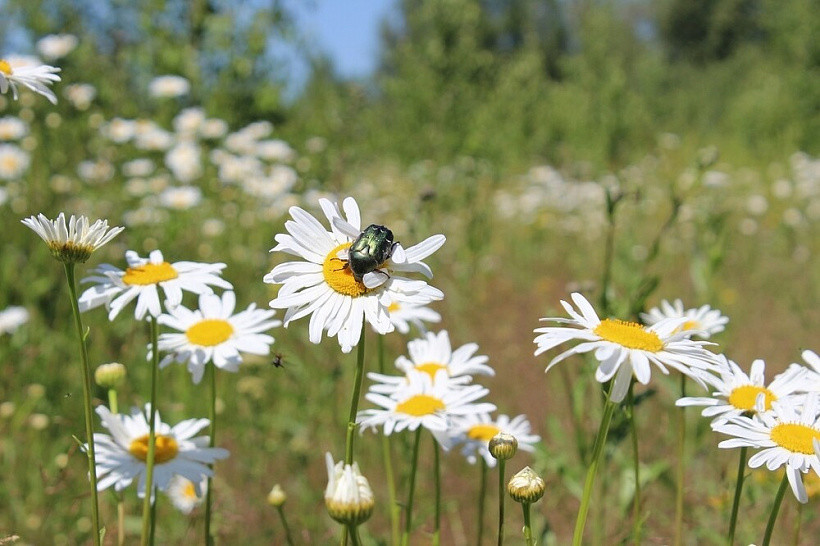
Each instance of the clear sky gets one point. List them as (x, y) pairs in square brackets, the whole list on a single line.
[(347, 31)]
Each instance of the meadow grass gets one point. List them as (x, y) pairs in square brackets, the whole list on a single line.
[(742, 238)]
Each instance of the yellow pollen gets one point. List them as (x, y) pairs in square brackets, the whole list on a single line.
[(149, 274), (795, 437), (430, 368), (5, 67), (484, 432), (629, 334), (419, 405), (9, 162), (209, 332), (165, 448), (339, 276), (393, 307), (744, 397)]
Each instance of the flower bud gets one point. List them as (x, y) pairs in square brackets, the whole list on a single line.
[(109, 375), (526, 486), (348, 496), (277, 496), (503, 446)]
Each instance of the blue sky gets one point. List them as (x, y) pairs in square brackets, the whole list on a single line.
[(345, 30)]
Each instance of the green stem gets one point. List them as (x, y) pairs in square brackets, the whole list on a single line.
[(353, 531), (597, 452), (636, 465), (89, 423), (741, 473), (482, 494), (354, 402), (501, 497), (212, 443), (527, 525), (680, 470), (112, 404), (149, 461), (387, 451), (154, 518), (775, 509), (408, 516), (285, 524), (437, 478)]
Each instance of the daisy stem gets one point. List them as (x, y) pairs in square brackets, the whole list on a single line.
[(527, 526), (482, 494), (353, 531), (680, 471), (408, 516), (387, 451), (501, 464), (775, 508), (112, 404), (741, 472), (597, 452), (211, 443), (437, 478), (149, 460), (636, 465), (89, 428), (354, 402), (285, 524)]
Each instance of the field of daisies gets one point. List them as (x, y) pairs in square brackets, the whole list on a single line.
[(202, 340)]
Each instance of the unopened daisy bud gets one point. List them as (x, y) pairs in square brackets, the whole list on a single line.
[(348, 496), (526, 486), (109, 376), (503, 446), (277, 496), (73, 242)]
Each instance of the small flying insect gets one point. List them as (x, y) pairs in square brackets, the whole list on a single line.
[(278, 360), (372, 248)]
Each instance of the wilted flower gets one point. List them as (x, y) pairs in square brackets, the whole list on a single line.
[(74, 242)]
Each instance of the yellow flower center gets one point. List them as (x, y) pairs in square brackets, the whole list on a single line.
[(165, 448), (430, 368), (744, 397), (484, 432), (795, 437), (419, 405), (690, 325), (629, 334), (339, 276), (9, 163), (189, 492), (149, 274), (5, 67), (209, 332), (393, 307)]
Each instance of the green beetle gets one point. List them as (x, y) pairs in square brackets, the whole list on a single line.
[(372, 248)]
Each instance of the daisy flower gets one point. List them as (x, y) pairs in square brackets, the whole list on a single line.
[(116, 288), (121, 456), (474, 432), (702, 322), (213, 333), (402, 316), (423, 401), (183, 493), (787, 435), (625, 348), (813, 360), (323, 285), (433, 353), (737, 393), (73, 242), (35, 77), (348, 496), (11, 318)]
